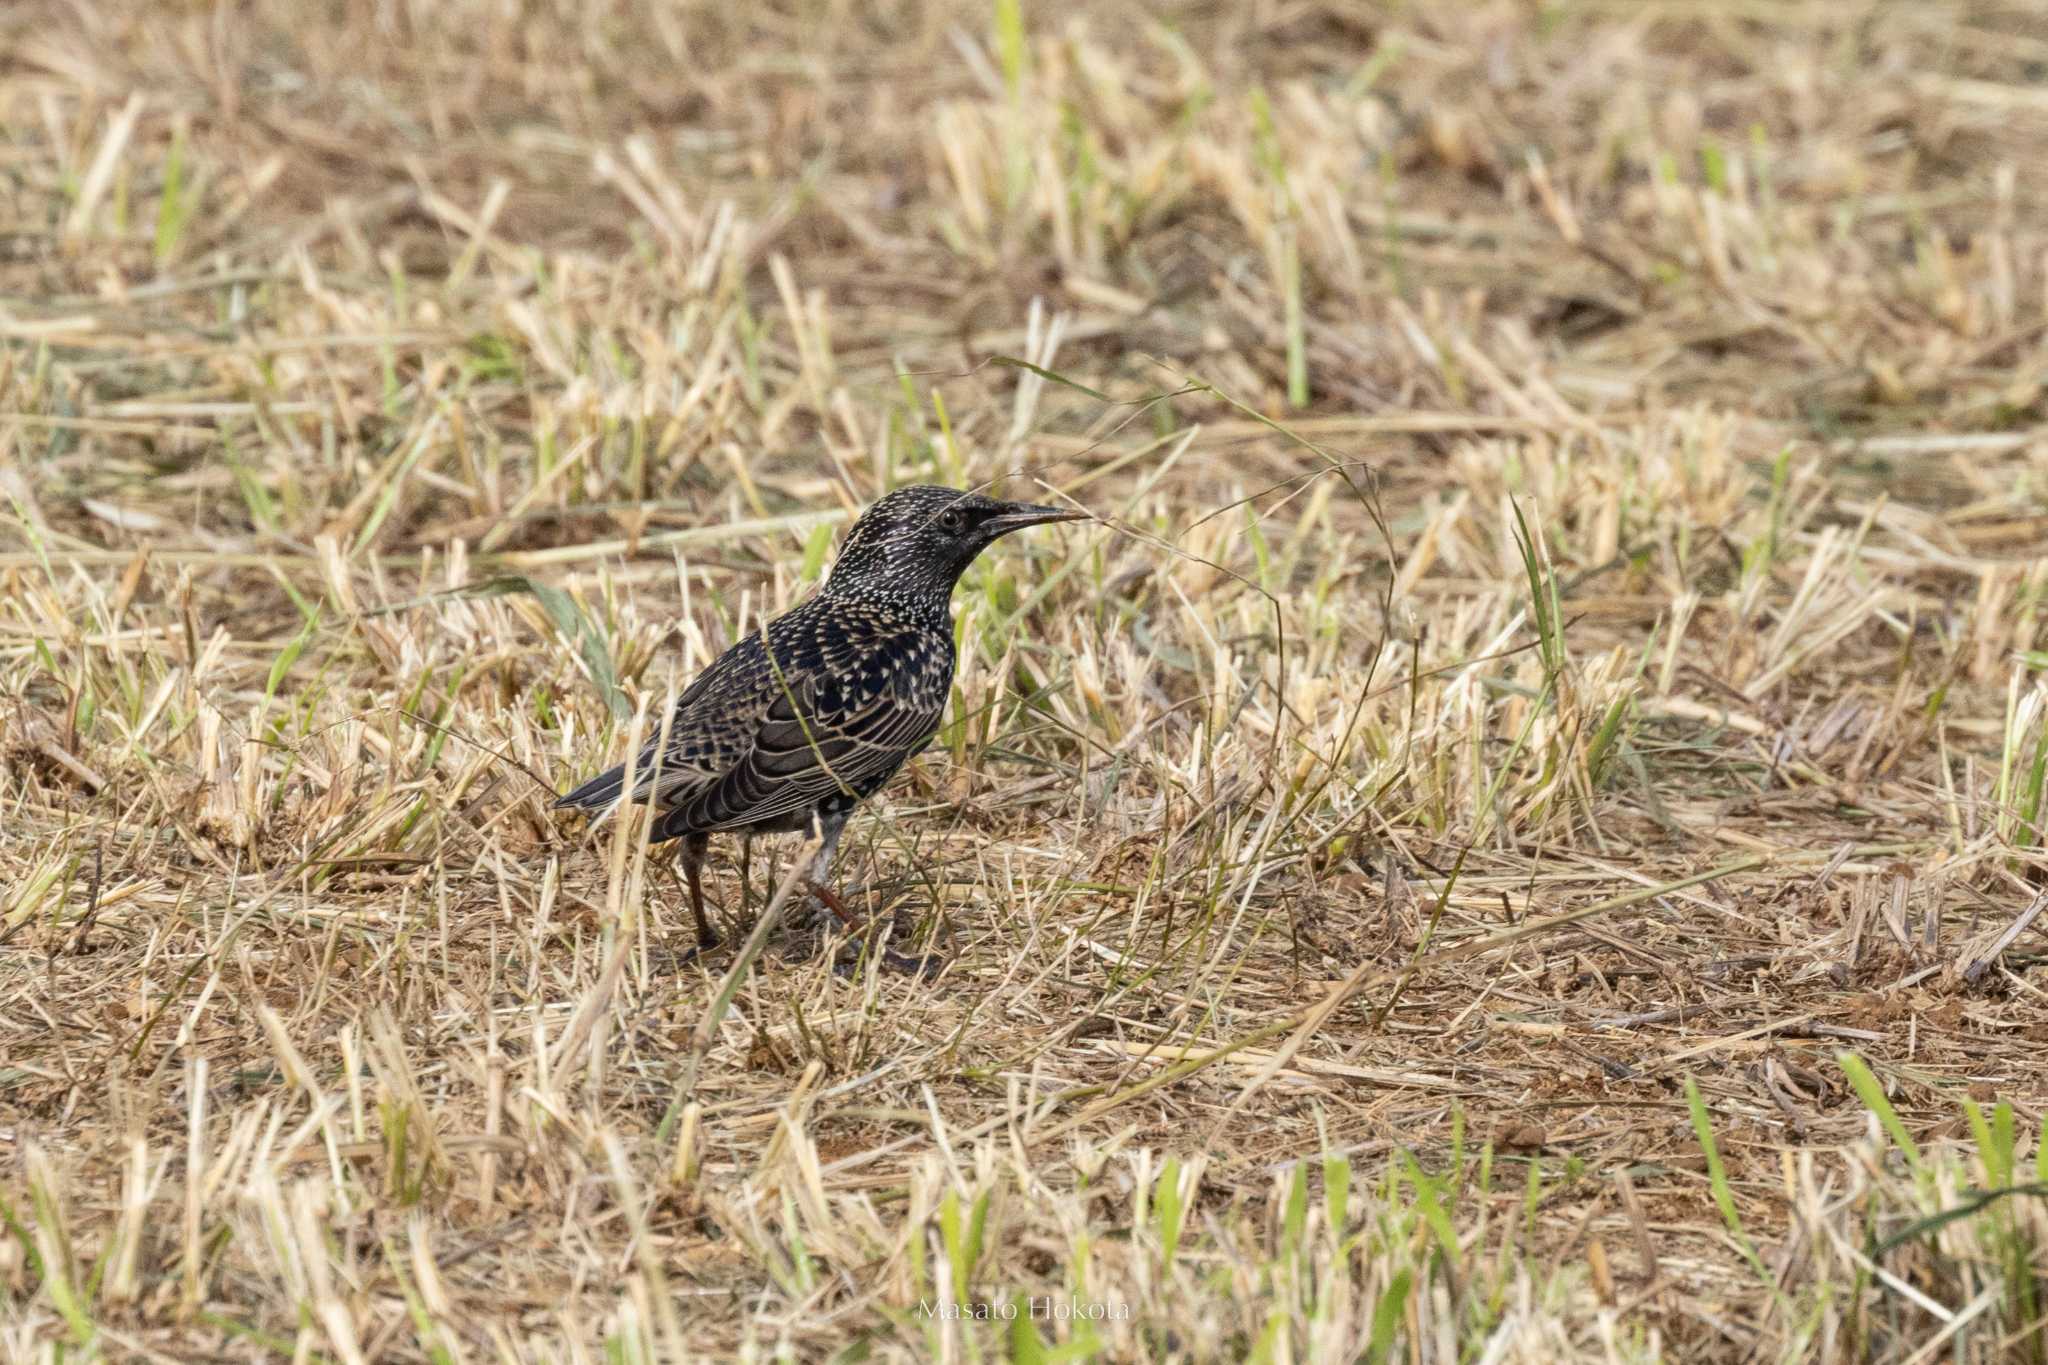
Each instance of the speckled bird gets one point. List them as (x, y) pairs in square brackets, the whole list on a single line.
[(798, 723)]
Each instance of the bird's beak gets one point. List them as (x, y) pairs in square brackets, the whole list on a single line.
[(1015, 516)]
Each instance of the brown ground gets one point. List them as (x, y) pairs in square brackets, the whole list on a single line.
[(1305, 816)]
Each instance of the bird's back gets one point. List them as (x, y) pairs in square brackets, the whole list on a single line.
[(839, 693)]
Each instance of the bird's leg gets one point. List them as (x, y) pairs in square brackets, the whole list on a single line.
[(746, 870), (829, 827), (829, 898), (814, 882), (693, 868)]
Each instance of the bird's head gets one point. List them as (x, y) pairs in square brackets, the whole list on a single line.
[(917, 541)]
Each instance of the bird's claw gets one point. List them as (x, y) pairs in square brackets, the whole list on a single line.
[(706, 945), (923, 965), (912, 964)]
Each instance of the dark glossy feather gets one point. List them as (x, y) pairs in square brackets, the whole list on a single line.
[(832, 734)]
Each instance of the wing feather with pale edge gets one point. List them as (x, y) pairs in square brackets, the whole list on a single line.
[(815, 742)]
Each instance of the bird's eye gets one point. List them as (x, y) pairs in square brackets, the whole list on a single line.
[(952, 521)]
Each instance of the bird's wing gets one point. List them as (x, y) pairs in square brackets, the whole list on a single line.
[(710, 728), (823, 734)]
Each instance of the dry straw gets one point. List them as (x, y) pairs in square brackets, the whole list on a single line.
[(1518, 839)]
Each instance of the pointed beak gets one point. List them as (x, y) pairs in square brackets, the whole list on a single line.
[(1015, 516)]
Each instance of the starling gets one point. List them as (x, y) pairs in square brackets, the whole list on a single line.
[(796, 724)]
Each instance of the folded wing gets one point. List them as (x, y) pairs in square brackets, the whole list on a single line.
[(819, 739), (711, 728)]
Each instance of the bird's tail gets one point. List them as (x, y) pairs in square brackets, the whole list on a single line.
[(598, 792)]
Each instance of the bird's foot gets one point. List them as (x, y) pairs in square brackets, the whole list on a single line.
[(913, 964), (705, 948), (922, 965), (890, 959)]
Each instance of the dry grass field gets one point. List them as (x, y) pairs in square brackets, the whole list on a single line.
[(1516, 834)]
